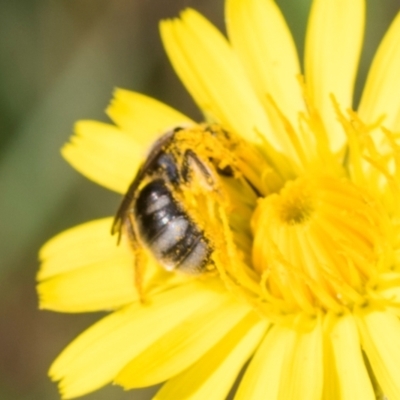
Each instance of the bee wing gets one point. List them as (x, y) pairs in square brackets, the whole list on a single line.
[(125, 206), (129, 198)]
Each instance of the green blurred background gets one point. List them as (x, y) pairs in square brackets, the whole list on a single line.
[(59, 62)]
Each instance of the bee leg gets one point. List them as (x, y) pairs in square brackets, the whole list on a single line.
[(192, 165), (139, 261)]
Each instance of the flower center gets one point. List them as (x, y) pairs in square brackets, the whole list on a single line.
[(295, 204), (318, 244)]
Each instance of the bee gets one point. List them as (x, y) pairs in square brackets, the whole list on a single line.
[(166, 209)]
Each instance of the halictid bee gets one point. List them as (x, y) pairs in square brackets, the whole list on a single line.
[(168, 208)]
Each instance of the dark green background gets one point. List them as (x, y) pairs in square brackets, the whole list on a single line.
[(59, 62)]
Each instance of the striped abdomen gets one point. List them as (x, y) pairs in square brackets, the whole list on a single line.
[(168, 232)]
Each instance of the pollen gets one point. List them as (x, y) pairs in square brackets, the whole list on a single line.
[(319, 243), (295, 204)]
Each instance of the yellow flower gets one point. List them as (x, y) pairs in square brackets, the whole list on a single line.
[(311, 295)]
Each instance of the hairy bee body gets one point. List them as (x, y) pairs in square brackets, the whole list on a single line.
[(153, 213), (167, 230)]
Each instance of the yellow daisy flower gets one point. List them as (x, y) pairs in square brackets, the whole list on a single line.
[(308, 287)]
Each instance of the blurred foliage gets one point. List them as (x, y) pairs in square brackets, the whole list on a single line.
[(59, 62)]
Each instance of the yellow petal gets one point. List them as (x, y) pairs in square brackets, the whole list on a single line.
[(97, 355), (211, 72), (381, 92), (331, 388), (259, 34), (104, 154), (333, 45), (82, 245), (262, 377), (380, 333), (353, 378), (143, 117), (103, 285), (214, 374), (389, 288), (183, 345), (303, 362), (393, 295)]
